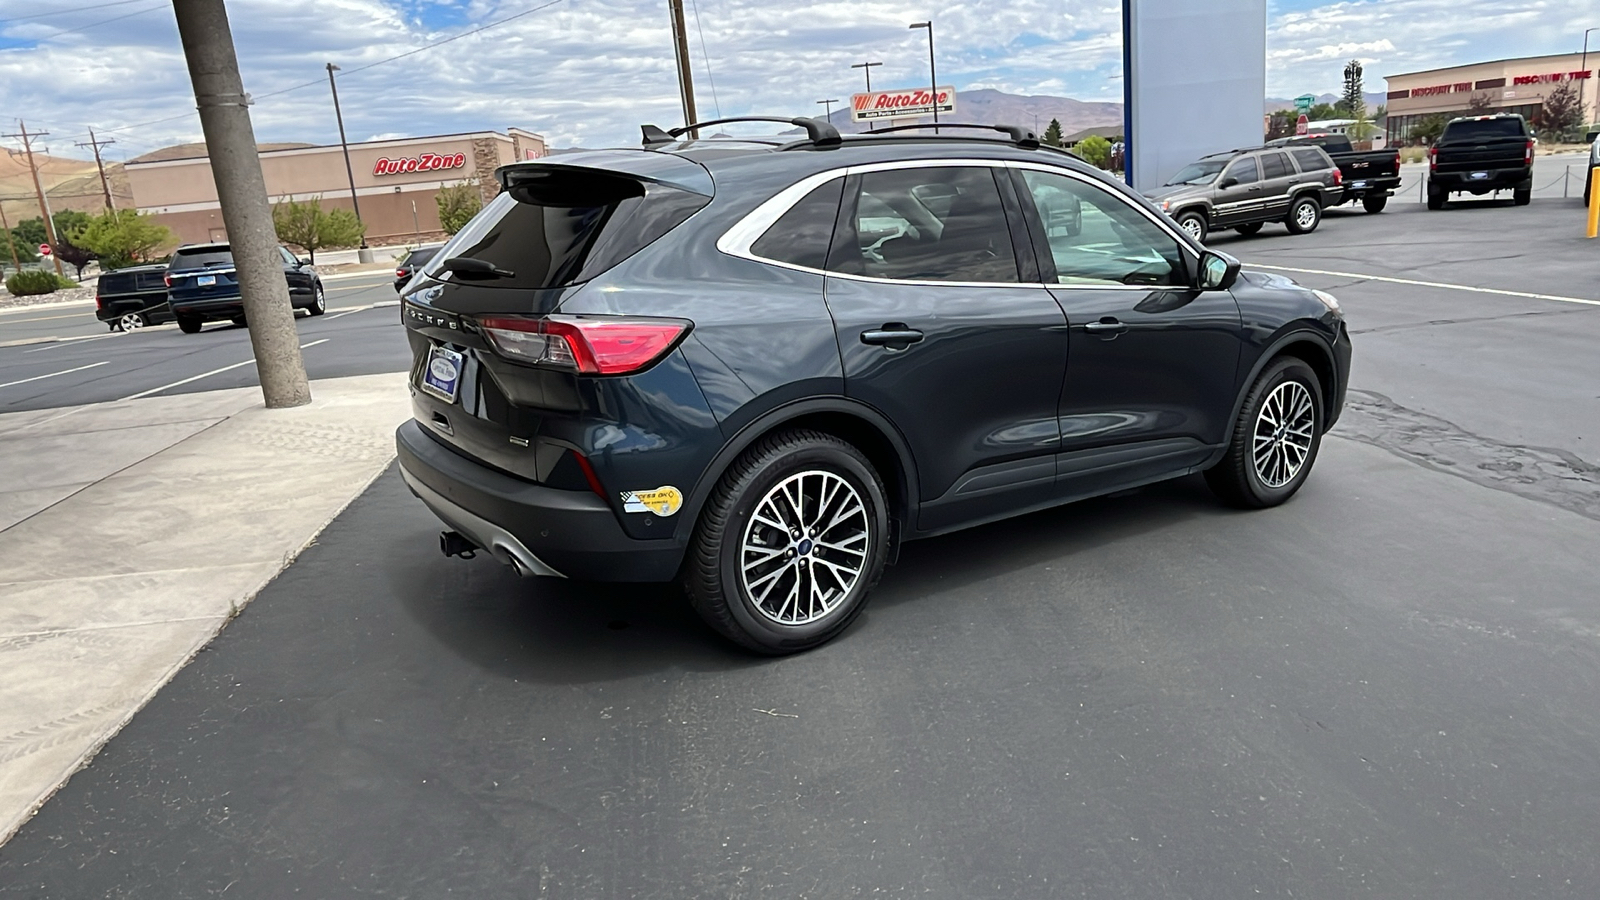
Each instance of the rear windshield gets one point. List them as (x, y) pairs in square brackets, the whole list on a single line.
[(419, 256), (206, 258), (561, 227), (1478, 129)]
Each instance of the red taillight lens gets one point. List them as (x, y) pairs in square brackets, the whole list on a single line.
[(167, 279), (1527, 158), (1338, 177), (599, 345), (399, 273), (1397, 162), (1433, 159)]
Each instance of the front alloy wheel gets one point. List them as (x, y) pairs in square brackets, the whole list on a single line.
[(130, 322), (319, 303), (1195, 224), (1275, 439), (789, 543)]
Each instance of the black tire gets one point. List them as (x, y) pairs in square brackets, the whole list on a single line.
[(1436, 199), (1237, 478), (319, 301), (189, 325), (1522, 196), (1586, 189), (1374, 204), (1305, 214), (1194, 222), (713, 574), (1248, 228)]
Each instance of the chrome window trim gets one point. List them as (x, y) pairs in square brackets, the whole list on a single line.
[(737, 240)]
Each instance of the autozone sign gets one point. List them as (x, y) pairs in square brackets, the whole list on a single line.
[(426, 162), (900, 104)]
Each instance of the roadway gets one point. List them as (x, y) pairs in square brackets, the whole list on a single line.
[(62, 356), (1384, 688)]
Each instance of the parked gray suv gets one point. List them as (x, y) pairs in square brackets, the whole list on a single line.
[(1244, 189)]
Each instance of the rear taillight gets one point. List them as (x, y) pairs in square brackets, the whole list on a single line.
[(598, 345), (1433, 159), (1527, 156), (399, 273), (1397, 162), (167, 279), (1338, 177)]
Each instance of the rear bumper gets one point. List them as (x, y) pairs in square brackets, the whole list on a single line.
[(1371, 187), (1494, 179), (538, 530), (220, 308)]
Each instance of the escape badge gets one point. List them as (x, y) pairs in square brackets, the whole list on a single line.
[(663, 501)]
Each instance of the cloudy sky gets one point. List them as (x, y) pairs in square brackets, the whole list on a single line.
[(589, 71)]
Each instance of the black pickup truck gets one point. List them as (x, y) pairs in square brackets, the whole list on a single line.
[(1480, 154), (1369, 175)]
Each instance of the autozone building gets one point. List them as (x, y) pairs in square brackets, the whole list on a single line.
[(396, 181), (1510, 85)]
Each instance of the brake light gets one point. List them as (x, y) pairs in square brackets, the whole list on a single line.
[(1527, 157), (595, 345), (399, 273), (167, 279), (1397, 162), (1338, 177), (1433, 160)]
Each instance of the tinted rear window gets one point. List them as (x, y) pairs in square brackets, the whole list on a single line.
[(420, 256), (1310, 160), (117, 283), (801, 235), (1478, 129), (561, 227), (210, 257), (1274, 165)]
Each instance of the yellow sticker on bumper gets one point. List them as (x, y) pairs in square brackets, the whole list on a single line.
[(663, 501)]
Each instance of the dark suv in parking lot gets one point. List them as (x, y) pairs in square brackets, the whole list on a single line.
[(762, 366), (131, 298), (414, 259), (1244, 189), (202, 286)]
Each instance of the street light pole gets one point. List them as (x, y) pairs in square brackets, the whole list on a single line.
[(933, 74), (349, 172), (866, 67), (828, 105)]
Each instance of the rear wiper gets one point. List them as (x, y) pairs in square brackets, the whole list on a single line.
[(471, 267)]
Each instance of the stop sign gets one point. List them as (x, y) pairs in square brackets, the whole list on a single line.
[(1302, 125), (44, 250)]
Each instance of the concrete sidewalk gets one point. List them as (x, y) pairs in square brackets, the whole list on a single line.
[(131, 532)]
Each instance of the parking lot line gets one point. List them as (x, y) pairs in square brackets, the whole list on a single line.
[(1432, 284), (192, 378), (54, 374), (71, 341)]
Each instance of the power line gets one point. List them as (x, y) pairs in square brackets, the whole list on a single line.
[(81, 28), (694, 4), (62, 12)]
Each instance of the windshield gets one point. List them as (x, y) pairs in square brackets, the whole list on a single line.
[(1202, 172)]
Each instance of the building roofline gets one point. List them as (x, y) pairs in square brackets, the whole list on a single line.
[(294, 151), (1486, 62)]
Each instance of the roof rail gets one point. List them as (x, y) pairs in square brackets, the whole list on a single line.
[(820, 133), (1022, 137)]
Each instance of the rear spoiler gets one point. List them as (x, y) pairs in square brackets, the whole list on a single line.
[(644, 166)]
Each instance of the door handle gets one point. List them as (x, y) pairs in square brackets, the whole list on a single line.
[(890, 335), (1107, 327)]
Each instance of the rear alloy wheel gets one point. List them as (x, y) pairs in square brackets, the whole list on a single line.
[(1275, 439), (1375, 204), (188, 325), (1194, 223), (319, 303), (131, 321), (789, 544), (1304, 215), (1249, 229)]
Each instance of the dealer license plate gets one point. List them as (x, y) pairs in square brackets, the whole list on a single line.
[(1358, 184), (441, 377), (205, 280), (1478, 176)]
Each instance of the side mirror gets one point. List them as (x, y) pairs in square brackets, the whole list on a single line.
[(1228, 182), (301, 261), (1218, 271)]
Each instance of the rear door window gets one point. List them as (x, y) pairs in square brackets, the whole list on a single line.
[(1310, 160), (927, 224), (1274, 165), (801, 236), (563, 227)]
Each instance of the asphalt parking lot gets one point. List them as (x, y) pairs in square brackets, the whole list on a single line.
[(1383, 688)]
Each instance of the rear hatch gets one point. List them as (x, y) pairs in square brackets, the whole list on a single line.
[(550, 231), (198, 274), (1481, 145)]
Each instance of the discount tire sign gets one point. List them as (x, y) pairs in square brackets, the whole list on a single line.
[(426, 162)]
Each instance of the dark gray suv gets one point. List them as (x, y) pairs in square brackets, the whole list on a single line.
[(1244, 189), (759, 366)]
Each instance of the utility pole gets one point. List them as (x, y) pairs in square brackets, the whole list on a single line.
[(680, 48), (38, 189), (104, 185), (16, 262), (242, 191), (828, 105), (349, 172), (866, 68), (933, 74)]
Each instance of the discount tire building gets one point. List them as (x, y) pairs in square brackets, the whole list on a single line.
[(1506, 85), (396, 181)]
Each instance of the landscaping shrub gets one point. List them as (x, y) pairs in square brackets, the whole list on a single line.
[(34, 281)]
